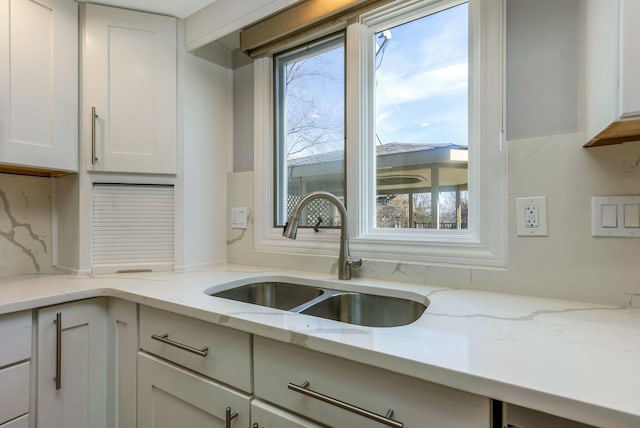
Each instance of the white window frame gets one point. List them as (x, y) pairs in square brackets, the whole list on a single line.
[(484, 243)]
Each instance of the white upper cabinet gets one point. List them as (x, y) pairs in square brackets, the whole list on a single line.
[(129, 91), (610, 66), (39, 84), (629, 59)]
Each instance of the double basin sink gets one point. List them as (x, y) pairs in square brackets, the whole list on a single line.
[(371, 310)]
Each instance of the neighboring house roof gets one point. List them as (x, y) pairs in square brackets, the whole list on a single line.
[(381, 150)]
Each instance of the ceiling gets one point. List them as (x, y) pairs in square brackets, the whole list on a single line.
[(177, 8)]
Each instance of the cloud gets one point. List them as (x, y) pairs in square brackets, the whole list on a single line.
[(398, 88)]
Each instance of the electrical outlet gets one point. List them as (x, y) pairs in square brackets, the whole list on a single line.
[(531, 216)]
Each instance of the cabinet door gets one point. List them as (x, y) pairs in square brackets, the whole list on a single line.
[(122, 367), (630, 58), (170, 397), (129, 77), (335, 391), (39, 84), (264, 415), (521, 417), (81, 400), (21, 422)]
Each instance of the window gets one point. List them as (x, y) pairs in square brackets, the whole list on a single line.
[(309, 129), (421, 140), (424, 153)]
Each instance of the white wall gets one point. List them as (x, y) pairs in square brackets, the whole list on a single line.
[(201, 189), (545, 158)]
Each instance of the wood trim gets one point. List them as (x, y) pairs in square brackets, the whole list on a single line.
[(26, 170), (618, 132), (301, 18)]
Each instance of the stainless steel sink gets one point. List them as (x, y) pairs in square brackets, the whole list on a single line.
[(351, 307), (367, 309), (279, 295)]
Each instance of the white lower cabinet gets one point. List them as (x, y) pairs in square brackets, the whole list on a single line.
[(170, 396), (72, 361), (15, 374), (21, 422), (122, 366), (521, 417), (264, 415), (341, 393)]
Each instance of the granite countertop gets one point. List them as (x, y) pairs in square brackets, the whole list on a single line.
[(576, 360)]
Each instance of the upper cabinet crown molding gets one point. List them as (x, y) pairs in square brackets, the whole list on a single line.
[(611, 66), (129, 91), (224, 17), (38, 86)]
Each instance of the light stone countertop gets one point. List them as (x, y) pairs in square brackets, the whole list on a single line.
[(575, 360)]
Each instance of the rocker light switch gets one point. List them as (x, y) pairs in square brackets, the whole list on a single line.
[(615, 216), (609, 215), (632, 215), (239, 218)]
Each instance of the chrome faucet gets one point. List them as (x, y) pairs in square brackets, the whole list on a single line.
[(345, 261)]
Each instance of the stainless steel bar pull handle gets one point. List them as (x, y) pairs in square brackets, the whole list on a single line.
[(228, 417), (94, 116), (385, 420), (164, 338), (58, 378)]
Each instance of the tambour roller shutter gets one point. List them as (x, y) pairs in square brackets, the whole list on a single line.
[(133, 228)]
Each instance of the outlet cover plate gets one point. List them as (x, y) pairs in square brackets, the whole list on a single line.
[(531, 216)]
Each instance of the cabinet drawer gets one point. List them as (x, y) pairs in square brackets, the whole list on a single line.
[(414, 402), (14, 391), (228, 355), (15, 336), (264, 415), (169, 396), (21, 422)]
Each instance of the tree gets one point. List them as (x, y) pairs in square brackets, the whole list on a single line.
[(314, 105)]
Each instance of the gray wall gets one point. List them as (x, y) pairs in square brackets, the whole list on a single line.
[(542, 67), (242, 113)]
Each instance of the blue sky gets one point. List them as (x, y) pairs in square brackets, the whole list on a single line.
[(421, 86), (422, 81)]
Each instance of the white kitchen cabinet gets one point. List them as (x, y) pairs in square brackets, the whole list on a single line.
[(122, 366), (521, 417), (629, 58), (39, 85), (227, 352), (169, 397), (21, 422), (15, 372), (72, 351), (342, 393), (129, 121), (264, 415), (611, 66)]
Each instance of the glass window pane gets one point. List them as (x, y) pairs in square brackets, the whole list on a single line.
[(422, 120), (310, 129)]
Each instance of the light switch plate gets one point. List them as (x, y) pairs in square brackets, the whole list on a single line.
[(615, 216), (531, 216), (239, 217)]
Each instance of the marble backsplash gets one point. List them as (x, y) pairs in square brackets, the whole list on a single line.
[(568, 264), (25, 225)]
